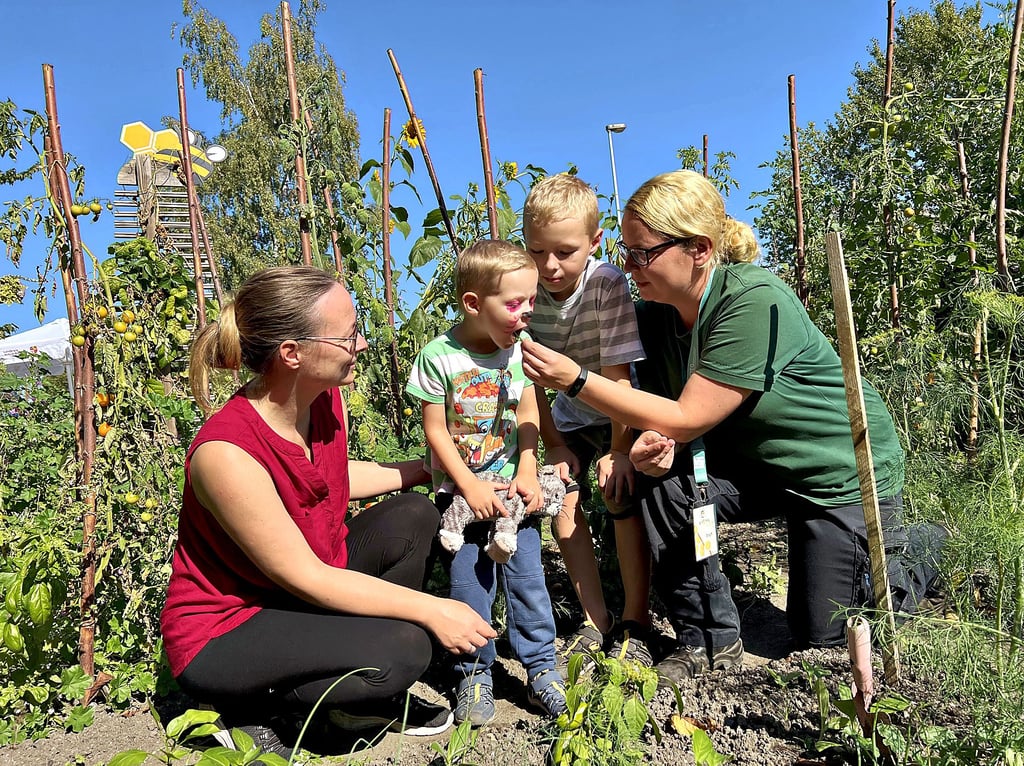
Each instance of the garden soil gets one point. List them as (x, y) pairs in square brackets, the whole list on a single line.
[(764, 714)]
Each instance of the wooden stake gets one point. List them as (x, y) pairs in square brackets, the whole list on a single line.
[(426, 155), (84, 376), (862, 449), (893, 271), (794, 144), (706, 170), (329, 204), (389, 294), (485, 152), (300, 159), (972, 425), (1002, 262), (193, 204)]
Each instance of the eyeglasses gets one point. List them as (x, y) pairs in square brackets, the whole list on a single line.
[(642, 256), (336, 342)]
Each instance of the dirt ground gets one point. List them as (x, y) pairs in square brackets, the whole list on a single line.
[(752, 714)]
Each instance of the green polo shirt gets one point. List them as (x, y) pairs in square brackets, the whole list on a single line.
[(794, 430)]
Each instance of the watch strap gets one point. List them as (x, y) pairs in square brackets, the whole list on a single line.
[(577, 385)]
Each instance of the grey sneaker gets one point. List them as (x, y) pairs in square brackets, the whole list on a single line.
[(266, 735), (690, 661), (631, 641), (405, 713), (474, 700), (547, 692)]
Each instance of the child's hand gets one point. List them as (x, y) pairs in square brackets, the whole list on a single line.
[(483, 499), (528, 488), (615, 476)]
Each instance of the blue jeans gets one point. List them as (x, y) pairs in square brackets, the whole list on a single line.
[(531, 625)]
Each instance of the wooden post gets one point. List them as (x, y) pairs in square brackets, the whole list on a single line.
[(706, 169), (426, 155), (329, 204), (193, 204), (1002, 261), (84, 376), (485, 152), (210, 261), (794, 144), (893, 271), (300, 159), (389, 292), (862, 449), (972, 254)]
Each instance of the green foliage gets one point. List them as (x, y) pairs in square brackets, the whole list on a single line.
[(250, 203), (607, 712)]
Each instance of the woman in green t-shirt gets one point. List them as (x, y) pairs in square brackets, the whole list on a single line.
[(744, 419)]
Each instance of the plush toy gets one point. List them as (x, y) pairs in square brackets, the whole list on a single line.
[(501, 542)]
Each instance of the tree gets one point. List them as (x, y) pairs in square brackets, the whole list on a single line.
[(250, 201)]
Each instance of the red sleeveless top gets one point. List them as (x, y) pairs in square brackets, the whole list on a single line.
[(214, 587)]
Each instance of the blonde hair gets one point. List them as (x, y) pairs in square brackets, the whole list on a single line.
[(272, 306), (685, 204), (482, 265), (555, 198)]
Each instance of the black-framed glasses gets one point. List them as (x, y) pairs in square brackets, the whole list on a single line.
[(642, 256), (336, 342)]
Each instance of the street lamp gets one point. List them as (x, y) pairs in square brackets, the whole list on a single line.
[(615, 127)]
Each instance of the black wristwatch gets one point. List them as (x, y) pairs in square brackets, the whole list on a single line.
[(577, 385)]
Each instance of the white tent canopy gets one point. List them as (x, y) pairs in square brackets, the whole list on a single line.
[(52, 339)]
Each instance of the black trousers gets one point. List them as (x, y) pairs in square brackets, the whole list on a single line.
[(289, 654), (829, 569)]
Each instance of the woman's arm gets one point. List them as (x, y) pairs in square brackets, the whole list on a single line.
[(701, 406), (372, 479), (241, 496)]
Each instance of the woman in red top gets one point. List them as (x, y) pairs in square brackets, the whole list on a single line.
[(274, 595)]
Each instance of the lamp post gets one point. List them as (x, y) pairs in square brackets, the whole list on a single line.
[(615, 127)]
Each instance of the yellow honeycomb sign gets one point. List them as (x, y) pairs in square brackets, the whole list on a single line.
[(164, 146)]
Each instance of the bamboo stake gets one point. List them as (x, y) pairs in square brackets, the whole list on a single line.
[(209, 255), (485, 152), (84, 377), (300, 159), (1002, 261), (862, 448), (193, 204), (426, 155), (794, 144), (389, 295), (329, 204), (894, 295), (706, 171), (972, 431)]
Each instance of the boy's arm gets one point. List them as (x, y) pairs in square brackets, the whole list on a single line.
[(479, 494), (614, 470), (528, 426), (555, 451)]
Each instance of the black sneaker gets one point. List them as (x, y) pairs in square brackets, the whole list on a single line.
[(631, 641), (546, 691), (690, 661), (265, 735), (404, 713)]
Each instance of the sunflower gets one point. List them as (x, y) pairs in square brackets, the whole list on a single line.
[(413, 132)]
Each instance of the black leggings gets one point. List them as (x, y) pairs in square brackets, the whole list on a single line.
[(290, 654)]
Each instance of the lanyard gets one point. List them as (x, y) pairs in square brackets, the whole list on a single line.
[(700, 467)]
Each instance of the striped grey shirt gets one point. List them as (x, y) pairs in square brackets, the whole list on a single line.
[(595, 327)]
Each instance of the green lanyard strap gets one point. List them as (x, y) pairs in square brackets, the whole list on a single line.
[(700, 465)]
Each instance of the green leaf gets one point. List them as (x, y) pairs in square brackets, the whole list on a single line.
[(433, 218), (74, 683), (188, 720), (129, 758), (39, 602), (424, 250), (635, 714), (704, 752), (80, 717)]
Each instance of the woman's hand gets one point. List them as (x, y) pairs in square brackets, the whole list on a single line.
[(548, 368), (652, 454), (563, 459), (482, 498), (458, 628)]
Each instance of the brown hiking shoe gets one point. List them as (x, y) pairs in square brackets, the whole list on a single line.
[(690, 661)]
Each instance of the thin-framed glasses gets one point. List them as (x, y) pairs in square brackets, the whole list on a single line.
[(642, 256), (336, 342)]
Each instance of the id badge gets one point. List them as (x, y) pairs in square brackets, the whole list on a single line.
[(705, 532)]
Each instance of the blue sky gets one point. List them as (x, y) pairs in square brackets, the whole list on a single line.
[(555, 73)]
